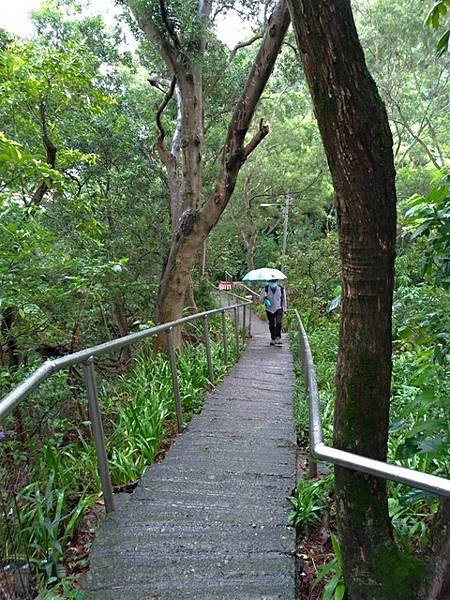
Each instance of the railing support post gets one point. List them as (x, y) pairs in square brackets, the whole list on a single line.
[(250, 306), (244, 310), (236, 330), (97, 430), (175, 386), (224, 337), (312, 467), (208, 349)]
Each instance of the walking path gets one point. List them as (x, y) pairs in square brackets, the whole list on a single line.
[(210, 520)]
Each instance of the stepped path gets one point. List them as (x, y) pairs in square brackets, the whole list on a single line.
[(210, 521)]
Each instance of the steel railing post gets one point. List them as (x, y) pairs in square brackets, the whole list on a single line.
[(224, 337), (175, 386), (97, 430), (312, 463), (250, 320), (236, 330), (244, 309), (208, 349)]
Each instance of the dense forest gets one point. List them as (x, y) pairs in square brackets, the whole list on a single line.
[(140, 163)]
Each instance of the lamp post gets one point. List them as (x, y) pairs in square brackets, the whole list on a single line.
[(287, 199)]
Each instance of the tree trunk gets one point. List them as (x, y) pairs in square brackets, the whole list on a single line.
[(195, 224), (251, 245), (190, 297), (354, 128), (191, 138), (203, 250), (439, 559), (120, 316), (192, 230)]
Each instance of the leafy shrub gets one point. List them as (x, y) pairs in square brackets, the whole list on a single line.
[(309, 502)]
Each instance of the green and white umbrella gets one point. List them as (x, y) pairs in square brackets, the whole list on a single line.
[(264, 274)]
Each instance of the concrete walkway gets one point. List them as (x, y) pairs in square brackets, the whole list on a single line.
[(210, 521)]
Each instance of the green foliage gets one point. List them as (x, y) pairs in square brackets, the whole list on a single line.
[(309, 502), (335, 587), (62, 589), (48, 522), (204, 295), (428, 217), (434, 20), (138, 422)]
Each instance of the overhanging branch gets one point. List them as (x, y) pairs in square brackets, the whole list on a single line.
[(257, 139)]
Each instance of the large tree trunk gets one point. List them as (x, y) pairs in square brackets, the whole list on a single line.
[(195, 224), (358, 143), (438, 583)]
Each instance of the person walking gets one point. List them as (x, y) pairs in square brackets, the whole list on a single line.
[(273, 297)]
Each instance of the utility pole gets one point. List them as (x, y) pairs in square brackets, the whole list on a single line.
[(285, 228)]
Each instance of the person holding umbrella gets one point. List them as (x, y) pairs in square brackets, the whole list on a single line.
[(273, 297)]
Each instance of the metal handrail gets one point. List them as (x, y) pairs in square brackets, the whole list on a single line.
[(86, 358), (320, 451)]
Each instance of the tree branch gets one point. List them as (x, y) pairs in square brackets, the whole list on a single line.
[(235, 153), (50, 149), (161, 108), (257, 139), (169, 53), (169, 25), (233, 52), (244, 45), (161, 84)]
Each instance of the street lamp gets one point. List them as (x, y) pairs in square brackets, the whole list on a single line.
[(287, 199)]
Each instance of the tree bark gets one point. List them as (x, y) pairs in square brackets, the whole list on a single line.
[(354, 127), (438, 586), (203, 254), (190, 297)]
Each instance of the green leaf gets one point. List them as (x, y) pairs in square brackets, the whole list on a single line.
[(407, 449), (443, 43), (329, 567), (416, 495), (431, 444), (340, 591)]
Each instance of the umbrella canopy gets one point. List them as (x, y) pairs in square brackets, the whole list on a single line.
[(264, 274)]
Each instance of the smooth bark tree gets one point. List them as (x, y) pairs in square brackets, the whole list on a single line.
[(185, 63), (355, 132)]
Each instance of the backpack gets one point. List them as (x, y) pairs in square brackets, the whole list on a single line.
[(266, 289)]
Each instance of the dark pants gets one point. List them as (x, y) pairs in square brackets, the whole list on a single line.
[(275, 320)]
